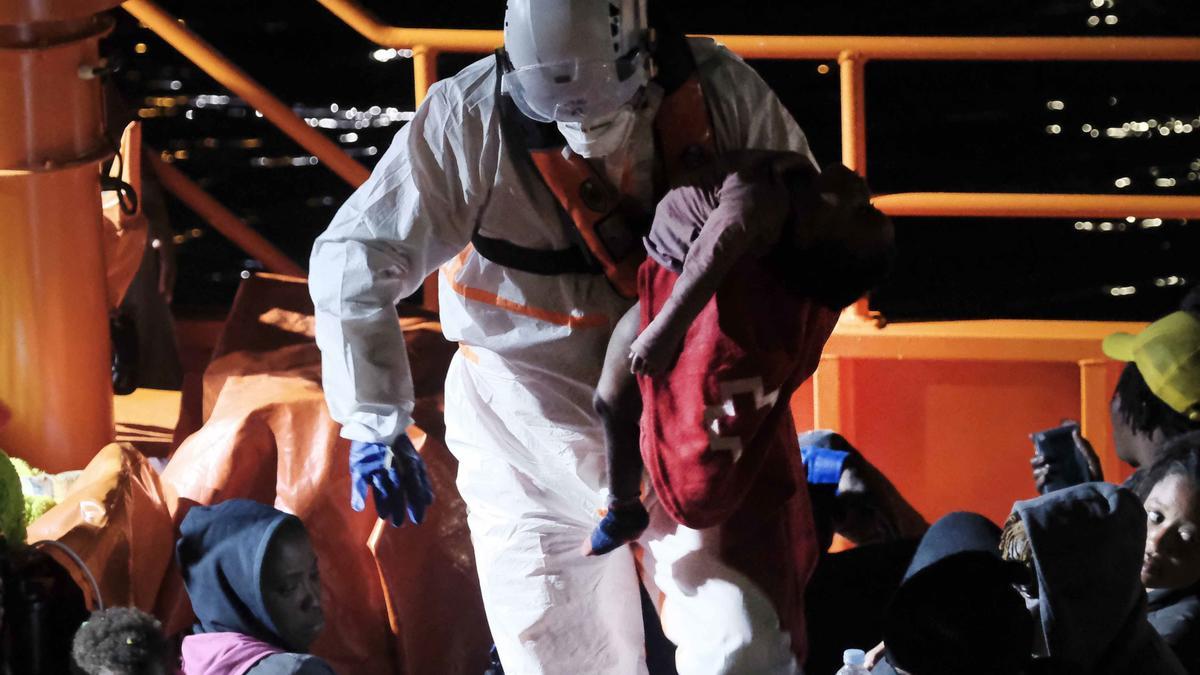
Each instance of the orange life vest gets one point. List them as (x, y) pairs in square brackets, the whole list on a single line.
[(606, 226)]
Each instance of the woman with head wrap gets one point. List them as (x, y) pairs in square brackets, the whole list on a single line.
[(1083, 547), (252, 577)]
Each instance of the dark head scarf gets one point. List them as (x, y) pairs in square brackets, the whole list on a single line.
[(956, 611), (220, 551)]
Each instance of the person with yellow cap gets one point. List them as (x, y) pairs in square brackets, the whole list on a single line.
[(1157, 397), (1167, 354)]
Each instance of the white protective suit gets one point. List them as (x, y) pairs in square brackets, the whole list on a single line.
[(519, 414)]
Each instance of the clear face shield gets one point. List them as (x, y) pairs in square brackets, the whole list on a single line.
[(576, 90)]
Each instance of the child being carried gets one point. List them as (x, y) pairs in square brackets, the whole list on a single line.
[(763, 232)]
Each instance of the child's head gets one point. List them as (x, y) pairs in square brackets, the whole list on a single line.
[(848, 245), (251, 569), (120, 641)]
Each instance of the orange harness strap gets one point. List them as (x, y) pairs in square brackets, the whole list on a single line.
[(685, 135)]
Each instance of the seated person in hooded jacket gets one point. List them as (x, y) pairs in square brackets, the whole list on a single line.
[(1084, 549), (957, 610), (1170, 492), (251, 575)]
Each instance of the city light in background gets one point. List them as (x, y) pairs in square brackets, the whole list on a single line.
[(1105, 133)]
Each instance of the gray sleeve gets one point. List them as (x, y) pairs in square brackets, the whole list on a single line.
[(291, 664)]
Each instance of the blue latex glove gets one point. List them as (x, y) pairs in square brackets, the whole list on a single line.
[(396, 478)]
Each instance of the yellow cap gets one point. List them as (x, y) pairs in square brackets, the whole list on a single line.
[(1167, 354)]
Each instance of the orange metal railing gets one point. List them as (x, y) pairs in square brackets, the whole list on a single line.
[(852, 53), (223, 220), (1023, 205), (221, 69), (175, 33)]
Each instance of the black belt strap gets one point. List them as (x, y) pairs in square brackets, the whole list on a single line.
[(535, 261)]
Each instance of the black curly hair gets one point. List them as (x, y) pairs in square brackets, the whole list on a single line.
[(1144, 411), (1179, 456), (123, 640)]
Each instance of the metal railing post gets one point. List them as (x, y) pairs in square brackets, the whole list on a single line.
[(424, 61), (1094, 396), (854, 113), (854, 134), (223, 220)]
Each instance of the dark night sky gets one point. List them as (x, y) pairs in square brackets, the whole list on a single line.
[(973, 126)]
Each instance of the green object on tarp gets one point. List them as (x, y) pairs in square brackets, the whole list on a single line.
[(12, 503)]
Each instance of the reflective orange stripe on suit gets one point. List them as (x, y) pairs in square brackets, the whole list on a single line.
[(452, 268)]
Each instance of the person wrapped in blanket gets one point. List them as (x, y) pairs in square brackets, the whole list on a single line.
[(815, 235)]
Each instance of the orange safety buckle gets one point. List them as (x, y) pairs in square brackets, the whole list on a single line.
[(596, 209)]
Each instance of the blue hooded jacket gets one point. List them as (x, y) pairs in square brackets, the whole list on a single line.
[(1088, 542), (220, 551)]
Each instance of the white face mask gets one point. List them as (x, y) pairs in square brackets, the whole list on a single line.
[(600, 137)]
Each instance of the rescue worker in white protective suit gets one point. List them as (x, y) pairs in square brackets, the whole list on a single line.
[(533, 317)]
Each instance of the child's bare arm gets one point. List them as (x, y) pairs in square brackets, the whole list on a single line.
[(755, 195)]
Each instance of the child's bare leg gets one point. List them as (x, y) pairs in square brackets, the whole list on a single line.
[(619, 404)]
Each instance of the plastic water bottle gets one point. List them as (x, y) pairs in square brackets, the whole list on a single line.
[(853, 660)]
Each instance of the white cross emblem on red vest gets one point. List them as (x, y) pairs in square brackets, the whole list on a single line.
[(717, 418)]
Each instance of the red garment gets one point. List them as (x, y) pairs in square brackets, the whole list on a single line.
[(223, 653), (714, 422), (717, 432)]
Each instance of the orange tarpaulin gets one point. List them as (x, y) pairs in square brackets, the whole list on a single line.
[(403, 600), (116, 520), (396, 600)]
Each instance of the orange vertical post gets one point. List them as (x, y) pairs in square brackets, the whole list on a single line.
[(827, 394), (1095, 396), (54, 351), (424, 71), (854, 114), (854, 130)]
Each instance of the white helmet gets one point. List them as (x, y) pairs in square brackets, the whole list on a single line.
[(574, 60)]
